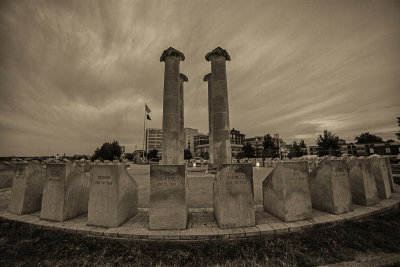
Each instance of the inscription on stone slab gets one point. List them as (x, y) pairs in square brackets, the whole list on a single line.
[(233, 199)]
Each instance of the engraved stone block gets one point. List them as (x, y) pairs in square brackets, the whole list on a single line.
[(330, 187), (66, 193), (113, 195), (363, 187), (286, 192), (27, 188), (381, 176), (234, 196), (168, 197)]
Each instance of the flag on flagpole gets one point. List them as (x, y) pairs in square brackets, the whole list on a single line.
[(148, 117), (148, 110)]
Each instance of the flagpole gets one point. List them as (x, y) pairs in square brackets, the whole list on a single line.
[(144, 128)]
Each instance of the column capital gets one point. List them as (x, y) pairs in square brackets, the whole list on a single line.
[(183, 77), (172, 52), (218, 52), (207, 77)]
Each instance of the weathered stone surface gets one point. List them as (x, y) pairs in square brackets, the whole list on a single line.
[(113, 195), (7, 172), (363, 188), (390, 175), (330, 187), (222, 152), (234, 196), (381, 177), (168, 197), (207, 78), (66, 193), (182, 79), (286, 192), (27, 188), (171, 107), (259, 175)]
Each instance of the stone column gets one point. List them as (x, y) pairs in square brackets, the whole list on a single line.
[(207, 78), (171, 106), (182, 79), (220, 107)]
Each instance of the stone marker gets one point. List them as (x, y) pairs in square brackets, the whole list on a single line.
[(220, 107), (330, 187), (171, 107), (390, 175), (234, 196), (363, 188), (27, 188), (168, 197), (66, 192), (286, 192), (113, 195), (381, 177)]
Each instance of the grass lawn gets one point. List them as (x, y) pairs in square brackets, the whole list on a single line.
[(24, 244)]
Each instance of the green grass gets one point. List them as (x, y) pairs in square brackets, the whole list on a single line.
[(24, 244)]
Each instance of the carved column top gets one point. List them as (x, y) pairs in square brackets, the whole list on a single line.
[(183, 77), (172, 52), (218, 52), (207, 77)]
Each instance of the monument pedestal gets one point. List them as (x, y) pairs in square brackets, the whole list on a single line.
[(286, 192), (66, 193), (168, 197), (390, 175), (113, 195), (27, 188), (234, 196), (330, 187), (363, 187), (381, 177)]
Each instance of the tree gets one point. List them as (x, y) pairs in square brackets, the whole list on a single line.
[(108, 151), (187, 154), (248, 150), (129, 156), (205, 155), (302, 144), (270, 148), (367, 138), (328, 144), (296, 149), (152, 154), (398, 123)]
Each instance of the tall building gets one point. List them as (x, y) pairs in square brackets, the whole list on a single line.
[(154, 140), (257, 143), (190, 133), (200, 139)]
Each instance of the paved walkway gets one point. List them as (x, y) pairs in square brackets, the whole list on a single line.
[(201, 223)]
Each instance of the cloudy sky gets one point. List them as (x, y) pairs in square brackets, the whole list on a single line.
[(75, 74)]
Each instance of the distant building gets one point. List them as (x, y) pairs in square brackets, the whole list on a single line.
[(386, 148), (236, 137), (200, 139), (312, 150), (190, 133), (154, 140), (257, 142)]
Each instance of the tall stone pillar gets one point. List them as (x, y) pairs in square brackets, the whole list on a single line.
[(207, 78), (171, 106), (182, 79), (220, 107)]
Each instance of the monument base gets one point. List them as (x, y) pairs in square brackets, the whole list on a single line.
[(113, 196), (330, 187), (363, 187), (27, 188), (233, 200), (381, 177), (66, 193), (286, 192), (168, 197)]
